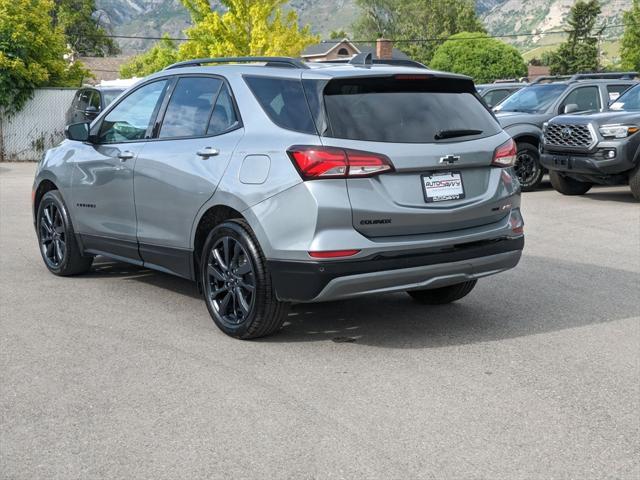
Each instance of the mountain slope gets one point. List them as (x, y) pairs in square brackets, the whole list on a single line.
[(501, 17)]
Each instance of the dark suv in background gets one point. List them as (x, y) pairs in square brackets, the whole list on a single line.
[(496, 92), (89, 102), (523, 113), (603, 148)]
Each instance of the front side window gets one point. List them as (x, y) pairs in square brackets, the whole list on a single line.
[(130, 119), (84, 100), (190, 107), (587, 99)]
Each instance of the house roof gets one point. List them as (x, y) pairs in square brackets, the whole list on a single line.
[(324, 47), (104, 68)]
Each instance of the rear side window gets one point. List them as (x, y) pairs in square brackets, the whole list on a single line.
[(223, 117), (494, 97), (283, 101), (190, 107), (406, 110)]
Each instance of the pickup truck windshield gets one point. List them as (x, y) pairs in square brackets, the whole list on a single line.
[(532, 99), (629, 102)]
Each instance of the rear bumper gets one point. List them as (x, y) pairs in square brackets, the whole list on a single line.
[(384, 273)]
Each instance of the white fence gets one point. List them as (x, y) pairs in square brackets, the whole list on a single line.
[(38, 126)]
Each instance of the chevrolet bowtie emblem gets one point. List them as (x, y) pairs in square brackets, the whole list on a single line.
[(449, 159)]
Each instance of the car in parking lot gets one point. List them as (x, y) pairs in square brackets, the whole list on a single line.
[(523, 113), (88, 102), (268, 180), (602, 148), (496, 92)]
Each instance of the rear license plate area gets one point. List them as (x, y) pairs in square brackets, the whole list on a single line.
[(442, 186)]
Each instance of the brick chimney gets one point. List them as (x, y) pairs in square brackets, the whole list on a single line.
[(384, 49)]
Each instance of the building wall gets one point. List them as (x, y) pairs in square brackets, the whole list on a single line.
[(25, 136)]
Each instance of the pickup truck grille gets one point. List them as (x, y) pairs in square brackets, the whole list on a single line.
[(566, 135)]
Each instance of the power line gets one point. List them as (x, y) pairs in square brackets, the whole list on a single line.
[(407, 40)]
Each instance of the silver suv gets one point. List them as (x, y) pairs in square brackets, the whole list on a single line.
[(270, 181)]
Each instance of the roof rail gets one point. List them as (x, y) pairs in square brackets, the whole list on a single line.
[(286, 62), (400, 62), (550, 78), (604, 75)]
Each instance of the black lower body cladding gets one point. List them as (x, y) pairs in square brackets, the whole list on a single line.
[(303, 281)]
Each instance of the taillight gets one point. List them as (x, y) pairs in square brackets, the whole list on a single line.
[(316, 162), (505, 154)]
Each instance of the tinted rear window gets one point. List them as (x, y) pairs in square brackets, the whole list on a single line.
[(404, 110), (284, 102)]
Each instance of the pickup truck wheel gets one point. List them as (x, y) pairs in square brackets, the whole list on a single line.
[(528, 167), (634, 183), (442, 295), (567, 185), (236, 285)]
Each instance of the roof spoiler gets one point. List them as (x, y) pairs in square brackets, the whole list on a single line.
[(395, 62)]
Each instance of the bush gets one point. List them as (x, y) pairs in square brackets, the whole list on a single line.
[(482, 58)]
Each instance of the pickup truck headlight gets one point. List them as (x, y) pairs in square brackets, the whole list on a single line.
[(618, 131)]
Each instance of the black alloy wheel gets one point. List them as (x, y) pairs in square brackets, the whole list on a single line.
[(230, 282), (56, 238), (53, 240), (236, 283)]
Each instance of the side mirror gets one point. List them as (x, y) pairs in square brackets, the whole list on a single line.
[(77, 131), (570, 108), (90, 110)]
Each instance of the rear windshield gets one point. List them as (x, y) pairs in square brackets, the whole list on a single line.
[(399, 110)]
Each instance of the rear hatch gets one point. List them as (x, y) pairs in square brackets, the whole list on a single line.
[(440, 139)]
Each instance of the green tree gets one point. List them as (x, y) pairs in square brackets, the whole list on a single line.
[(580, 52), (434, 20), (82, 29), (163, 53), (630, 52), (482, 58), (32, 52), (247, 27), (338, 34)]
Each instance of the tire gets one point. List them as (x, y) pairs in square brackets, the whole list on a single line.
[(567, 185), (528, 167), (634, 183), (439, 296), (236, 285), (56, 238)]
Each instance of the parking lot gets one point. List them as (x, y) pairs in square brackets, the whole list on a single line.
[(535, 375)]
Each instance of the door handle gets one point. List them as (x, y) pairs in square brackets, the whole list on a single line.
[(126, 155), (207, 152)]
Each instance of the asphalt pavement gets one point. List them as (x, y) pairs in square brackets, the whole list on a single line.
[(121, 374)]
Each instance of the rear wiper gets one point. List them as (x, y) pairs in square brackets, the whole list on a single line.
[(442, 134)]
